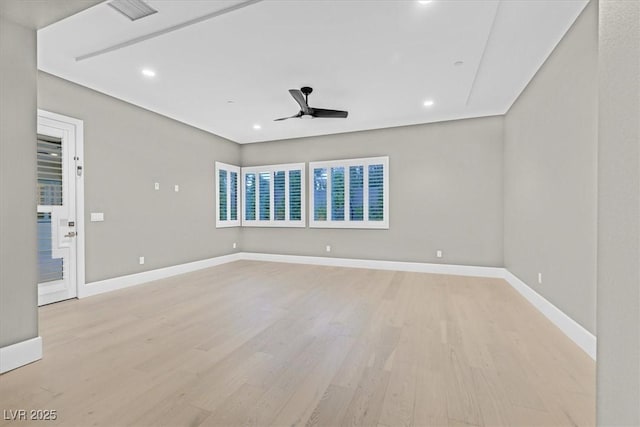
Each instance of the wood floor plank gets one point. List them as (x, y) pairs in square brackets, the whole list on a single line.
[(257, 343), (430, 408), (331, 407), (233, 411), (300, 407)]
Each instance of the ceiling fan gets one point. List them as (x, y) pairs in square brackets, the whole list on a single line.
[(302, 97)]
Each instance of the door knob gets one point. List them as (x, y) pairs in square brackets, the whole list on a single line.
[(70, 234)]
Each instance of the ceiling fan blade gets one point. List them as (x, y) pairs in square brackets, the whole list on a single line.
[(287, 118), (299, 97), (330, 114)]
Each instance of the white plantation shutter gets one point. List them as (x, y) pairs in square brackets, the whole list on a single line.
[(337, 194), (279, 195), (250, 196), (295, 195), (222, 198), (227, 195), (319, 194), (351, 193), (233, 196), (356, 193), (274, 195), (376, 192), (264, 196)]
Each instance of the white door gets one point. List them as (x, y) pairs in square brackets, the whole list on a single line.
[(57, 220)]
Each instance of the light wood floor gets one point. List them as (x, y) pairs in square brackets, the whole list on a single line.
[(251, 343)]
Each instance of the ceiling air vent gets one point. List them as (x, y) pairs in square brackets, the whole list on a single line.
[(132, 9)]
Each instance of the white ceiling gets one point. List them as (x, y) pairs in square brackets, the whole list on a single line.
[(380, 60)]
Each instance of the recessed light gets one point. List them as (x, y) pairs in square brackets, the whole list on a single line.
[(148, 72), (428, 103), (424, 1), (257, 127)]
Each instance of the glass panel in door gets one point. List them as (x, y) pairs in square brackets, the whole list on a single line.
[(56, 213)]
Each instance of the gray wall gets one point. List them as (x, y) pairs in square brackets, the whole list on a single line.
[(18, 264), (127, 150), (550, 190), (445, 193), (618, 395)]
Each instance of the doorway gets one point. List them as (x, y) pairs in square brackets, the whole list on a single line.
[(60, 207)]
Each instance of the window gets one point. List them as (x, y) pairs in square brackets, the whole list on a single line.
[(227, 191), (350, 193), (273, 196), (49, 171), (50, 193)]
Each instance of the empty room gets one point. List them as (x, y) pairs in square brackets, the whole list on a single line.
[(320, 212)]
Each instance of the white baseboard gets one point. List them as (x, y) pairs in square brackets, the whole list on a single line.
[(583, 338), (20, 354), (418, 267), (578, 334), (102, 286)]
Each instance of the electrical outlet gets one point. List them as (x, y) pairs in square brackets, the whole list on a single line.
[(176, 188), (141, 260), (156, 185), (439, 253), (234, 245), (328, 248), (540, 278)]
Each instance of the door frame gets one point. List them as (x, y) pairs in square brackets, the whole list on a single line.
[(77, 126)]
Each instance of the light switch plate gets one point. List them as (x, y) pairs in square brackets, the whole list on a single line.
[(97, 216), (176, 188), (156, 185)]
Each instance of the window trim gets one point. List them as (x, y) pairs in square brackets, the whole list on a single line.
[(287, 223), (348, 223), (228, 222)]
